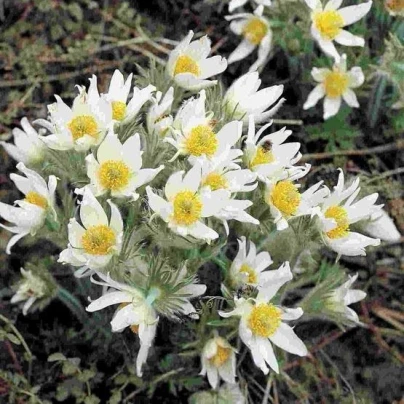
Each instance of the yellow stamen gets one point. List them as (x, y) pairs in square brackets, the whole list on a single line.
[(335, 84), (264, 320), (215, 181), (83, 125), (201, 140), (262, 156), (114, 175), (328, 23), (185, 64), (286, 197), (98, 240), (221, 356), (36, 199), (118, 110), (255, 30), (187, 208), (251, 274), (340, 215)]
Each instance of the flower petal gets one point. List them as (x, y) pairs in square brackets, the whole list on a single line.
[(350, 98), (109, 299), (241, 52), (331, 106), (315, 95), (353, 14), (348, 39), (286, 339)]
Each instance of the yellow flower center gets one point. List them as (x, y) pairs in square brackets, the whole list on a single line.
[(185, 64), (264, 320), (36, 199), (187, 208), (255, 30), (114, 175), (201, 140), (340, 215), (335, 84), (118, 110), (221, 356), (83, 125), (328, 23), (262, 156), (286, 197), (98, 240), (251, 274), (395, 6), (215, 181)]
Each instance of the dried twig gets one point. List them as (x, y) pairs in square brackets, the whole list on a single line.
[(399, 145)]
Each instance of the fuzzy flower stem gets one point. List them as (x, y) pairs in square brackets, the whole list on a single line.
[(19, 336), (73, 304)]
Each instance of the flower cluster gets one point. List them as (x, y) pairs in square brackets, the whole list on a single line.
[(168, 177), (327, 23)]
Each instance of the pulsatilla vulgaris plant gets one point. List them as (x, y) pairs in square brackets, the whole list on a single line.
[(143, 188)]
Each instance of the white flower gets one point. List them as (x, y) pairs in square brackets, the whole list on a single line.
[(218, 360), (186, 205), (262, 322), (328, 22), (136, 311), (380, 225), (30, 289), (285, 200), (82, 126), (338, 211), (256, 32), (32, 211), (268, 155), (117, 168), (247, 267), (158, 119), (29, 148), (118, 93), (234, 209), (193, 134), (176, 285), (223, 172), (97, 240), (238, 3), (342, 297), (189, 65), (243, 99), (335, 85)]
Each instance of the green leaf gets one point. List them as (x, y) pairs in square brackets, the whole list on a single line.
[(55, 357), (116, 397), (86, 375), (69, 368), (13, 339), (91, 400), (121, 379), (62, 393)]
